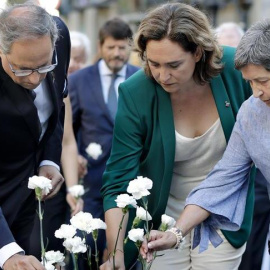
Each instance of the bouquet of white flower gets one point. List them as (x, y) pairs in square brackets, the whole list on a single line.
[(75, 244), (139, 190)]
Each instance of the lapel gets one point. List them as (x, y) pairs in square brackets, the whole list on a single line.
[(129, 71), (165, 116), (94, 82), (223, 104), (22, 102), (167, 130)]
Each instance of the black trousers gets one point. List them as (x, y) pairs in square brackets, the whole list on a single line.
[(252, 258)]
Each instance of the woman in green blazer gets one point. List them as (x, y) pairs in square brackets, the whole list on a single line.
[(188, 88)]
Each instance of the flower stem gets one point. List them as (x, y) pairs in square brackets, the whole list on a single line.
[(75, 261), (40, 215), (115, 245), (88, 253), (95, 235)]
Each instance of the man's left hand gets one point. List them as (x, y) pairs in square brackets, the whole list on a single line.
[(53, 174)]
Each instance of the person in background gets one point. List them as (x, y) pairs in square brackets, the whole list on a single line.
[(229, 34), (173, 122), (34, 52), (220, 200), (93, 94), (80, 51)]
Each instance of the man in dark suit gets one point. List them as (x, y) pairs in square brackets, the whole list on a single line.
[(93, 93), (34, 53)]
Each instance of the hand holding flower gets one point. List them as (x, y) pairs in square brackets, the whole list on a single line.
[(42, 187), (82, 166), (157, 240), (74, 198), (28, 262), (54, 175)]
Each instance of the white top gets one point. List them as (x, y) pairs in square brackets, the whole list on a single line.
[(194, 159)]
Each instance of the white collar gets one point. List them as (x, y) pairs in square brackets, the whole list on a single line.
[(105, 71)]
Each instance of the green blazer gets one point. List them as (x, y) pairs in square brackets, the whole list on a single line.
[(144, 142)]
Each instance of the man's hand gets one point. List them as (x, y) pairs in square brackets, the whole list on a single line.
[(82, 166), (76, 205), (22, 262), (53, 174)]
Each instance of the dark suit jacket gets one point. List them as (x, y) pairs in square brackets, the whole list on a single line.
[(21, 151), (92, 118), (144, 142)]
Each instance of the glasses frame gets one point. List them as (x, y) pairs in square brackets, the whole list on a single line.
[(27, 72)]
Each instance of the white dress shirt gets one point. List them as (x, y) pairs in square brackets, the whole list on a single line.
[(105, 77)]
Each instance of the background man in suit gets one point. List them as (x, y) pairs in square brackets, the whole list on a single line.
[(34, 53), (93, 93)]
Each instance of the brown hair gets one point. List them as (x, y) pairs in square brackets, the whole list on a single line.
[(187, 26), (116, 28)]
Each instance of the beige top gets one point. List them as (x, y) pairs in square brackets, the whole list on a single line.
[(194, 159)]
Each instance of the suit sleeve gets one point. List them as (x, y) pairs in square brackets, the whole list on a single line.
[(127, 146), (8, 246)]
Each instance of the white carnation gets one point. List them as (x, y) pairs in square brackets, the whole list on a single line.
[(142, 214), (55, 257), (139, 187), (82, 221), (136, 235), (65, 231), (40, 182), (76, 191), (97, 224), (168, 221), (75, 245), (124, 200), (94, 150)]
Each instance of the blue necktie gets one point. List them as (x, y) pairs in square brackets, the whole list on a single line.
[(112, 99)]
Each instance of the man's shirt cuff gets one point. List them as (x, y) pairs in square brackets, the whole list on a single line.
[(49, 163), (9, 250)]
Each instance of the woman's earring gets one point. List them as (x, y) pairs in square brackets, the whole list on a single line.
[(203, 57)]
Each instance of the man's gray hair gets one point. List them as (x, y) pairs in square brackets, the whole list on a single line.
[(254, 46), (23, 22)]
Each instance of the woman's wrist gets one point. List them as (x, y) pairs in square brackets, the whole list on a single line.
[(179, 236)]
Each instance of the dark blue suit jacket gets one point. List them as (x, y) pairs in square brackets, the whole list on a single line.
[(21, 152), (93, 123)]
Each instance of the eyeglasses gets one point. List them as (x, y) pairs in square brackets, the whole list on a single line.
[(27, 72)]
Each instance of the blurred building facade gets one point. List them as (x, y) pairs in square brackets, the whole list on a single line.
[(88, 15)]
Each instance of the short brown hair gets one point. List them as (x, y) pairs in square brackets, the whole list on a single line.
[(116, 28)]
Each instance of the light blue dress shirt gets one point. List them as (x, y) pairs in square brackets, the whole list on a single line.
[(224, 191)]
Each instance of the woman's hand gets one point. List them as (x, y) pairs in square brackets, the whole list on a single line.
[(157, 241), (76, 205), (119, 262)]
